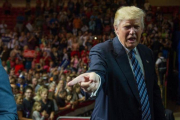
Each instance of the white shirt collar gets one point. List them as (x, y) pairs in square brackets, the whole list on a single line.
[(126, 49)]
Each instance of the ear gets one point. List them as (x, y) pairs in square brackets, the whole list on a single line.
[(116, 30)]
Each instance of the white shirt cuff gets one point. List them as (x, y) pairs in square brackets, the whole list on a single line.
[(93, 94)]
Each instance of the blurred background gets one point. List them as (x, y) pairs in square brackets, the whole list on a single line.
[(45, 43)]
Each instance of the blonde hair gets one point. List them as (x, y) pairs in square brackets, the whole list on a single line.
[(35, 105), (17, 97), (127, 13), (39, 92), (51, 84)]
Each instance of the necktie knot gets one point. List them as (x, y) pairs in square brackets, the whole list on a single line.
[(131, 53)]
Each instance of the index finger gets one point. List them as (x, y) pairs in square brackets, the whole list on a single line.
[(78, 79)]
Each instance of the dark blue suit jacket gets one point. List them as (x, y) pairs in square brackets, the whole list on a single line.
[(8, 109), (118, 97)]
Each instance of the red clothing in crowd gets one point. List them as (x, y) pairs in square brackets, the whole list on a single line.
[(19, 67), (46, 60)]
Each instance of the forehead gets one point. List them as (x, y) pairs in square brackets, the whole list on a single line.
[(20, 97), (28, 90), (131, 22), (44, 92)]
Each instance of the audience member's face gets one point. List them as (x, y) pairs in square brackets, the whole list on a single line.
[(62, 95), (53, 87), (37, 75), (61, 83), (12, 81), (28, 94), (34, 81), (14, 89), (129, 32), (69, 97), (38, 107), (68, 79), (44, 95), (19, 100), (20, 80), (40, 81)]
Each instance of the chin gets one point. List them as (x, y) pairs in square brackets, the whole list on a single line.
[(131, 47)]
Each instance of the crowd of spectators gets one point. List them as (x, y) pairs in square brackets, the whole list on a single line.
[(47, 49)]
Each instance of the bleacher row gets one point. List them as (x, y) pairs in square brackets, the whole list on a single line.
[(10, 20)]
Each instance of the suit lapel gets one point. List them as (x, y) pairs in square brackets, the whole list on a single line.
[(123, 62), (146, 62)]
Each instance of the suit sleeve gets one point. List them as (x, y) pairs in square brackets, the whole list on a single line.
[(159, 112), (8, 109), (98, 63)]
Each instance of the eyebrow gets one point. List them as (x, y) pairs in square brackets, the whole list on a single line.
[(130, 24)]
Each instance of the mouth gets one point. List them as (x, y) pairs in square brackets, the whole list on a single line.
[(131, 39)]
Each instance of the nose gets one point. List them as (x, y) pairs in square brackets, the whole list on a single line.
[(132, 30)]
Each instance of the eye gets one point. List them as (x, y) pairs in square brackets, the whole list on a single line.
[(127, 27), (136, 26)]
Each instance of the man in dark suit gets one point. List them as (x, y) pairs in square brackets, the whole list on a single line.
[(122, 73)]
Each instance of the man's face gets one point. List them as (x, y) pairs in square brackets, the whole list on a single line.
[(129, 32)]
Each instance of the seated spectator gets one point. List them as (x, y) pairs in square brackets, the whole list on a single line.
[(39, 67), (19, 100), (21, 83), (59, 87), (28, 102), (45, 79), (12, 80), (70, 90), (36, 112), (69, 100), (61, 101), (38, 93), (80, 96), (75, 61), (15, 89), (47, 104), (35, 84), (51, 94), (13, 43)]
